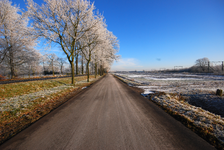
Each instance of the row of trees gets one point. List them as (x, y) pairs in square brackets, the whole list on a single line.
[(77, 28), (42, 64), (74, 25)]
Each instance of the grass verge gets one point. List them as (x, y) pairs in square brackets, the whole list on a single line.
[(203, 132), (21, 88), (16, 119)]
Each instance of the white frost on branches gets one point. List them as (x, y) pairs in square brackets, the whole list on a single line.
[(16, 38), (74, 25)]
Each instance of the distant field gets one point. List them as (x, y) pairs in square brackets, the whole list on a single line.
[(199, 90)]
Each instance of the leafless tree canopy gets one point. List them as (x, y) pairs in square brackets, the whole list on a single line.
[(202, 63), (75, 25), (16, 38), (76, 28)]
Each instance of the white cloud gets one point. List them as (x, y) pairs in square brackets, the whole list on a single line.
[(126, 64)]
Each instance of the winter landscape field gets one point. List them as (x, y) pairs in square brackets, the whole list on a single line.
[(190, 95), (198, 89)]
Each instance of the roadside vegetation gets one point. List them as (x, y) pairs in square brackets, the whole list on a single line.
[(21, 104), (16, 89)]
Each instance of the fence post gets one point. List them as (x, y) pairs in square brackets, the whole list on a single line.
[(222, 66), (208, 66)]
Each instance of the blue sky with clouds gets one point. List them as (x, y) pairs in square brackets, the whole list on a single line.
[(156, 34)]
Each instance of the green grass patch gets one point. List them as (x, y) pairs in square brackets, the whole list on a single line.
[(15, 120), (21, 88)]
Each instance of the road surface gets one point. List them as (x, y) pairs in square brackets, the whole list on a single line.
[(107, 116)]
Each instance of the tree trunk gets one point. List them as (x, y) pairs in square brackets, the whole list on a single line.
[(73, 71), (43, 66), (12, 67), (101, 70), (95, 69), (82, 65), (77, 64), (29, 73), (53, 68), (92, 64), (87, 67), (61, 69), (33, 71)]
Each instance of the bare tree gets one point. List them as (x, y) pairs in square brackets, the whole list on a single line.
[(61, 62), (52, 61), (33, 66), (106, 53), (43, 61), (63, 22), (92, 39), (16, 38), (202, 63), (82, 64)]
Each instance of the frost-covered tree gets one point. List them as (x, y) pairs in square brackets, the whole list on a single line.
[(99, 45), (43, 62), (61, 62), (92, 40), (82, 63), (33, 66), (16, 38), (52, 61), (63, 22), (202, 63), (107, 52)]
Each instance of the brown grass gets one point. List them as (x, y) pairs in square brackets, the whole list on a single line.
[(21, 88), (12, 122)]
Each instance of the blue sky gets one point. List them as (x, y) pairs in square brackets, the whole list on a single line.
[(155, 34)]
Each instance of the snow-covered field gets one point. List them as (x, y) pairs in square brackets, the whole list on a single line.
[(176, 83), (190, 95), (198, 90)]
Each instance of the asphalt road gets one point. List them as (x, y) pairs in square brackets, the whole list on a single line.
[(107, 116)]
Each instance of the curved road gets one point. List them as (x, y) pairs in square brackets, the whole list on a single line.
[(107, 116)]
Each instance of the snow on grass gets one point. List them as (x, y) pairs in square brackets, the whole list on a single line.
[(200, 117), (42, 89), (23, 101), (84, 81), (176, 83), (194, 86), (33, 101)]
